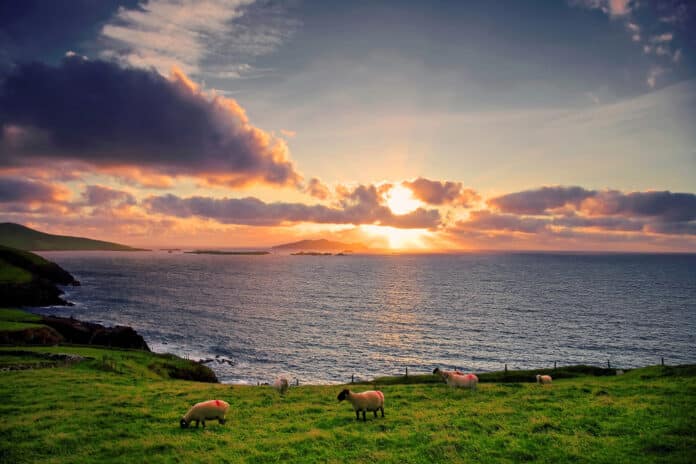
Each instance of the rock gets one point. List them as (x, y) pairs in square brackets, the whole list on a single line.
[(31, 336), (88, 333)]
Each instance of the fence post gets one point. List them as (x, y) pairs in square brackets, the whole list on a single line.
[(608, 364), (554, 364), (663, 361), (506, 368), (407, 372), (352, 378)]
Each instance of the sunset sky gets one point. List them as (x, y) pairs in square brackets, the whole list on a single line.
[(414, 126)]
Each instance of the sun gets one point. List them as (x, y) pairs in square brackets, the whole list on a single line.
[(400, 239), (400, 200)]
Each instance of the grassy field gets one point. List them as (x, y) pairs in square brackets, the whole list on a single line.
[(16, 319), (121, 406)]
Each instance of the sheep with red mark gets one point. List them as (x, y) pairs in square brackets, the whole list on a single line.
[(543, 379), (458, 379), (206, 410), (281, 384), (444, 374), (372, 400)]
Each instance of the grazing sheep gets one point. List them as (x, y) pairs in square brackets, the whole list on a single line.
[(462, 380), (543, 379), (207, 410), (444, 374), (281, 384), (372, 400)]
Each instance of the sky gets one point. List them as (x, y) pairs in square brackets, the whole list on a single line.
[(409, 126)]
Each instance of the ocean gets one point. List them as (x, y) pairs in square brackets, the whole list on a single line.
[(323, 319)]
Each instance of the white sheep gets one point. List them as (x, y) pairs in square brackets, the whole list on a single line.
[(372, 400), (281, 384), (457, 378), (206, 410), (444, 374), (543, 379), (462, 380)]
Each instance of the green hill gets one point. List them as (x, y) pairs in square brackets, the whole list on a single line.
[(21, 237)]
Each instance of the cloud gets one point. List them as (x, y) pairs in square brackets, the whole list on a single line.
[(98, 195), (196, 35), (441, 193), (613, 8), (539, 201), (662, 38), (317, 189), (360, 206), (664, 206), (113, 118), (487, 220), (14, 190), (653, 74)]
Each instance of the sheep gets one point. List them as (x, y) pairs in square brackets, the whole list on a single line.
[(462, 380), (206, 410), (281, 384), (372, 400), (543, 379), (457, 378), (444, 374)]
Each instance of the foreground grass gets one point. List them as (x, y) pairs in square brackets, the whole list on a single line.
[(115, 408)]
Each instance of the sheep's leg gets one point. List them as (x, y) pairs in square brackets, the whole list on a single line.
[(222, 420), (196, 423), (364, 420), (203, 421), (357, 414), (375, 412), (381, 409)]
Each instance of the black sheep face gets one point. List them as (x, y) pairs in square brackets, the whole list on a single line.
[(343, 395), (183, 424)]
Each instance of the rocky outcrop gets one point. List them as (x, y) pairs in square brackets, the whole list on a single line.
[(35, 279), (31, 336), (38, 292), (89, 333)]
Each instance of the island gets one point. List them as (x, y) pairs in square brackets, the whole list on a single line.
[(321, 245), (24, 238), (217, 252)]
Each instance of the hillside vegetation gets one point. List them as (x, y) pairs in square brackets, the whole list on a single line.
[(123, 406), (23, 238)]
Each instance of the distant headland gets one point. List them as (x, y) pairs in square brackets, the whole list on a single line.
[(24, 238)]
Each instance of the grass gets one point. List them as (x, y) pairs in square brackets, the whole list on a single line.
[(10, 274), (119, 407), (16, 319)]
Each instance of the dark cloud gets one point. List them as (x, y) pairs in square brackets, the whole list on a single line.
[(664, 206), (540, 201), (361, 206), (105, 116), (97, 195), (26, 191), (435, 192)]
